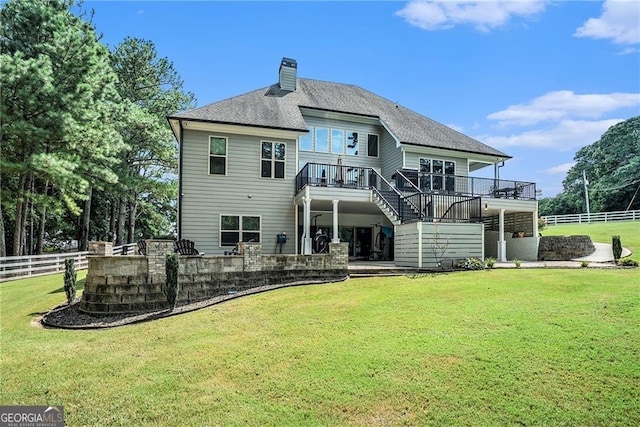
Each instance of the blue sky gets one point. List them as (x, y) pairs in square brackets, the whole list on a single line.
[(535, 79)]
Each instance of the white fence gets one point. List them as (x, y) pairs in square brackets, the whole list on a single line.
[(594, 217), (19, 267)]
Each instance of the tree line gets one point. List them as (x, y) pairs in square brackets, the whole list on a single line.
[(611, 167), (86, 151)]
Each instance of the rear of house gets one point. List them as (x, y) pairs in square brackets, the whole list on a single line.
[(303, 161)]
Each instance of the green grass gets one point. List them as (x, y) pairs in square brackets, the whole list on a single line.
[(629, 232), (495, 347)]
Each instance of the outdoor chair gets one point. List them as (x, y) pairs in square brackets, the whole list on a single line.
[(186, 247), (142, 247)]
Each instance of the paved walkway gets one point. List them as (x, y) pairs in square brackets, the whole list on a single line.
[(601, 258), (603, 253)]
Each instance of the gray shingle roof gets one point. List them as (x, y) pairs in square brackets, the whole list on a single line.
[(274, 108)]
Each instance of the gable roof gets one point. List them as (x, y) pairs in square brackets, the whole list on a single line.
[(272, 107)]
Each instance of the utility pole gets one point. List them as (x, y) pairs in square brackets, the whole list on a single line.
[(586, 194)]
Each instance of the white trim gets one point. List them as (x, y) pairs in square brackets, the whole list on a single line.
[(226, 155), (273, 159), (242, 130), (240, 230)]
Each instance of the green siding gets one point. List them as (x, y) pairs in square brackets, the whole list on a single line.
[(206, 196)]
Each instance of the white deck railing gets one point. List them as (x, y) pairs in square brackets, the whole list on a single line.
[(594, 217), (19, 267)]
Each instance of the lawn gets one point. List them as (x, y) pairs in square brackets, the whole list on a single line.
[(495, 347), (629, 232)]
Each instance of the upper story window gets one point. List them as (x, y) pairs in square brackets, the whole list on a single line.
[(273, 159), (322, 140), (352, 143), (440, 174), (372, 145), (337, 141), (217, 155), (239, 228), (306, 141)]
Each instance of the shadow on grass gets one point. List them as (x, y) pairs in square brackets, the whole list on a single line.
[(79, 287)]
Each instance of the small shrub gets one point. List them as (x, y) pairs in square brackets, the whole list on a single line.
[(542, 224), (171, 286), (616, 247), (490, 262), (517, 263), (584, 264), (70, 277), (471, 264), (628, 262)]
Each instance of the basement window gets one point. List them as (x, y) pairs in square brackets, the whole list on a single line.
[(239, 228)]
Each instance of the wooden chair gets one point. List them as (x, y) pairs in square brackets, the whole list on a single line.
[(186, 247), (142, 247)]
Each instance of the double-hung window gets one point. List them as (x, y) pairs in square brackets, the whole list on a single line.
[(239, 228), (273, 159), (217, 155)]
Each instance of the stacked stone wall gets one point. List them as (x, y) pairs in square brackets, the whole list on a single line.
[(132, 284), (564, 248)]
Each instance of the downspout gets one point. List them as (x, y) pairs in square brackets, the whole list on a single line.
[(180, 181)]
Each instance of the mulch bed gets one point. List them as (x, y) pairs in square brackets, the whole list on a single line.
[(68, 316)]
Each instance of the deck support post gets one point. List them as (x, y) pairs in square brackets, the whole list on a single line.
[(502, 244), (336, 237), (306, 238)]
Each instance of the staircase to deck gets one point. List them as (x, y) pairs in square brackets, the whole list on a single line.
[(405, 202)]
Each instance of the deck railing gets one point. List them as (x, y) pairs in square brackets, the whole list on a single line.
[(471, 186), (339, 176), (326, 175)]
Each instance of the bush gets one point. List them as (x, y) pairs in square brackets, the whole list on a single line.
[(542, 224), (70, 277), (517, 263), (490, 262), (471, 264), (628, 262), (616, 247), (584, 264), (171, 286)]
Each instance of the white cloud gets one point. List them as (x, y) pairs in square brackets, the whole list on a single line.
[(564, 136), (619, 22), (484, 15), (559, 169), (564, 104)]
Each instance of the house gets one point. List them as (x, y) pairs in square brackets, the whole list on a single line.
[(289, 163)]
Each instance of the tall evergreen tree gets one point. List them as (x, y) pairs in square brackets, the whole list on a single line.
[(151, 89), (58, 104)]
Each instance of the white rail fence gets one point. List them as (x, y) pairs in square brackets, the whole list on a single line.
[(19, 267), (594, 217)]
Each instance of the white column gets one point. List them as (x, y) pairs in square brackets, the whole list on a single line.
[(336, 237), (502, 244), (535, 224), (306, 238)]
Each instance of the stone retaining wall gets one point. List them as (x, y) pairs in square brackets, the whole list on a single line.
[(564, 248), (133, 284)]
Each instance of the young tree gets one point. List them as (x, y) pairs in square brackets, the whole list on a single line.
[(152, 89), (58, 104)]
